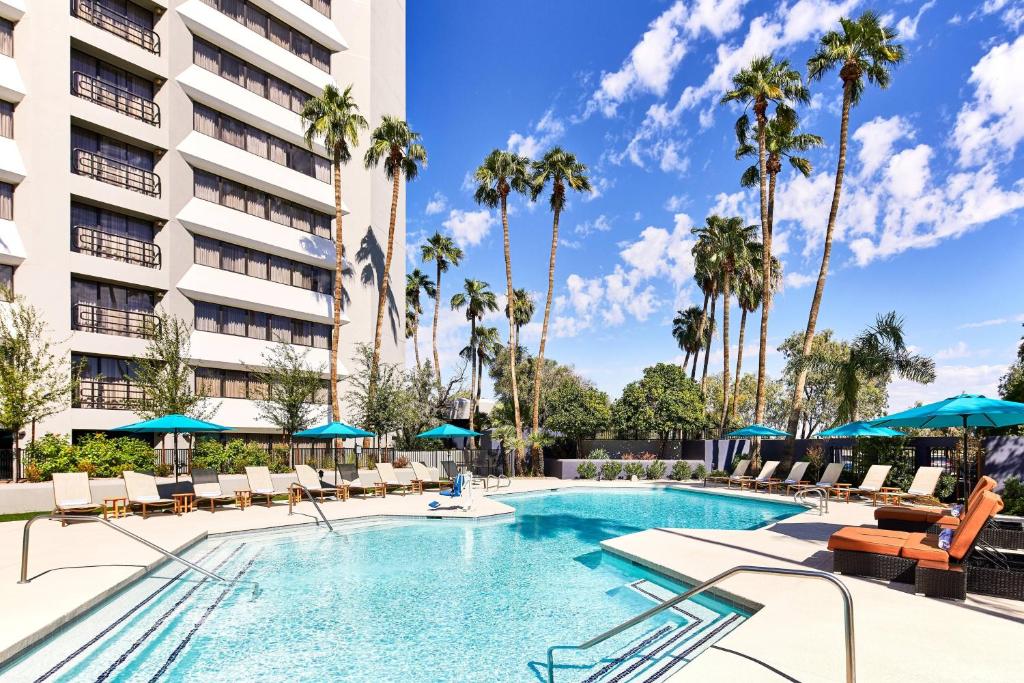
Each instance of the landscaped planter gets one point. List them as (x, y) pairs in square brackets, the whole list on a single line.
[(568, 469)]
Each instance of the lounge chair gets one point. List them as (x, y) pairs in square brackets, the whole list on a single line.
[(763, 477), (142, 491), (796, 476), (71, 495), (829, 479), (910, 557), (262, 484), (424, 476), (738, 472), (922, 488), (387, 474), (450, 469), (873, 485), (311, 480), (206, 485), (931, 518)]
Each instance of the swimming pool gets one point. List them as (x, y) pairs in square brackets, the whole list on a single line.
[(387, 600)]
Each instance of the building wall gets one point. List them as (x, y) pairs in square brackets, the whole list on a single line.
[(367, 40)]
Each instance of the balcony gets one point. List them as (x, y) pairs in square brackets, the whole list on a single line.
[(120, 395), (115, 172), (113, 97), (95, 242), (116, 23), (138, 324)]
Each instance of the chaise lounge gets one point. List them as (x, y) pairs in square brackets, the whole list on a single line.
[(829, 478), (873, 485), (72, 495), (910, 518), (424, 476), (142, 491), (262, 484), (795, 478), (762, 478), (206, 485), (739, 472), (309, 479)]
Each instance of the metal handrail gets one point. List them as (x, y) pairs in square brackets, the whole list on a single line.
[(103, 320), (311, 500), (114, 395), (851, 674), (116, 23), (88, 518), (115, 172), (109, 245), (115, 97), (822, 494)]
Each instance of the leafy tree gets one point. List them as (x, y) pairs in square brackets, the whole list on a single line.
[(422, 403), (748, 296), (744, 397), (442, 250), (292, 400), (1011, 385), (482, 351), (165, 375), (36, 379), (334, 117), (524, 308), (664, 402), (577, 411), (377, 410), (415, 282), (555, 375), (864, 48), (707, 277)]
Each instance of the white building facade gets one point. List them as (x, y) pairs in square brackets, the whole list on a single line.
[(152, 158)]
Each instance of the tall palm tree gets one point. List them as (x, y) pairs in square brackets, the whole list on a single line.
[(524, 308), (415, 282), (488, 346), (478, 300), (877, 354), (501, 174), (398, 147), (686, 331), (763, 83), (443, 251), (706, 281), (865, 48), (334, 118), (748, 296)]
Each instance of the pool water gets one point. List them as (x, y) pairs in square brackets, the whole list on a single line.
[(385, 600)]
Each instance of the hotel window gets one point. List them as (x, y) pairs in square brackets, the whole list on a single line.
[(83, 215), (6, 38), (239, 322), (253, 79), (115, 297), (6, 282), (112, 149), (6, 119), (217, 383), (111, 75), (261, 23), (7, 201), (321, 6)]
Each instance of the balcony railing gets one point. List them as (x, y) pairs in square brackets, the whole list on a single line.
[(108, 395), (95, 242), (116, 23), (115, 172), (89, 318), (114, 97)]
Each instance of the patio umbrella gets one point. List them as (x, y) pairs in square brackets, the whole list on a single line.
[(859, 428), (446, 431), (755, 430), (172, 424), (333, 430), (965, 410)]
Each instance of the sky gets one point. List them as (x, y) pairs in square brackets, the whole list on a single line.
[(930, 224)]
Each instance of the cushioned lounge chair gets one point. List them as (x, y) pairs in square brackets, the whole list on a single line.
[(262, 484), (912, 518), (142, 491), (425, 476), (311, 480), (873, 485), (829, 478), (763, 477), (922, 488), (72, 495), (387, 474), (795, 476), (206, 485), (738, 472), (348, 475)]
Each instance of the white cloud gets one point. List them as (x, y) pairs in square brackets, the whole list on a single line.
[(992, 322), (599, 184), (549, 129), (673, 203), (798, 280), (876, 138), (907, 26), (670, 159), (599, 224), (740, 203), (469, 227), (958, 350), (1012, 11), (992, 125), (950, 380), (437, 204)]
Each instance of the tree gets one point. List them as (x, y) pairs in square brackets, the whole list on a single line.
[(706, 277), (686, 331), (577, 411), (334, 118), (744, 398), (378, 410), (482, 352), (759, 85), (478, 300), (523, 309), (564, 172), (36, 379), (499, 175), (422, 404), (442, 251), (166, 376), (664, 402), (748, 296), (1011, 385), (290, 398), (415, 282), (399, 148), (864, 48)]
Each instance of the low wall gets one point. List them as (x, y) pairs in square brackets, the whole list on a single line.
[(566, 469), (1004, 457)]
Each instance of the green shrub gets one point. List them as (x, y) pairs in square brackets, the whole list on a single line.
[(1013, 496), (656, 470), (713, 473), (209, 454), (95, 453), (280, 458), (51, 453), (586, 470), (163, 469), (701, 472), (611, 470), (598, 454), (241, 454), (946, 487), (681, 470), (635, 468)]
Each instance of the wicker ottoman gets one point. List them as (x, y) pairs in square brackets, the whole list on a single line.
[(936, 580)]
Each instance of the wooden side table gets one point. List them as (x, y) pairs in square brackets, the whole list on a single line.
[(840, 491), (184, 502), (417, 486), (117, 507), (243, 498)]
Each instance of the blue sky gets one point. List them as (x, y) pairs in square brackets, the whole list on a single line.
[(930, 223)]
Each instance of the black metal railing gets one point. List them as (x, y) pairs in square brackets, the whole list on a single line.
[(7, 459), (108, 395), (89, 318), (114, 22), (114, 97), (96, 242), (115, 172)]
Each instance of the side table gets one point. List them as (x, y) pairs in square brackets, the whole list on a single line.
[(184, 502), (116, 506)]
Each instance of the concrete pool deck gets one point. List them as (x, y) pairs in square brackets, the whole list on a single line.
[(797, 632)]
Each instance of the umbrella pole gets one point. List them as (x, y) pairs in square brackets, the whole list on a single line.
[(966, 466)]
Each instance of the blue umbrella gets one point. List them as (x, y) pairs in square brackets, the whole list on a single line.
[(333, 430), (172, 424), (755, 430), (859, 428), (446, 431)]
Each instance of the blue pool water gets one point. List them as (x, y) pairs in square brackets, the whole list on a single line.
[(395, 601)]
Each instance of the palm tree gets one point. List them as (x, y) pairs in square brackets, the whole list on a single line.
[(415, 282), (706, 282), (488, 346), (686, 331), (499, 175), (864, 48), (759, 85), (394, 143), (748, 296), (524, 308), (442, 250), (877, 354), (478, 300), (334, 118)]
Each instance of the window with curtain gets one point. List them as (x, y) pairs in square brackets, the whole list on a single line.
[(280, 270), (281, 329), (205, 55), (207, 251), (252, 78), (204, 119), (7, 201), (207, 185), (232, 258), (256, 141), (233, 321), (259, 323), (208, 382), (232, 194), (207, 317), (256, 264), (6, 38), (301, 332), (235, 382), (6, 119), (6, 282)]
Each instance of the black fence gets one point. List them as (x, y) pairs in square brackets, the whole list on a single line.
[(7, 464)]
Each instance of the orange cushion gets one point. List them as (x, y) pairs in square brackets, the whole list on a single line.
[(860, 539), (908, 514), (988, 506), (984, 484), (924, 547)]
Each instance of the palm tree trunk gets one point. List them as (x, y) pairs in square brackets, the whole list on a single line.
[(338, 289), (819, 288), (766, 273), (707, 347), (725, 347), (416, 347), (739, 363), (538, 452), (703, 322), (384, 282), (472, 374), (512, 341), (437, 312), (686, 360)]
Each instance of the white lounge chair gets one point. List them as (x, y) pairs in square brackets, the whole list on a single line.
[(424, 476), (874, 482), (829, 478), (206, 485), (311, 480), (262, 484), (142, 491), (72, 495), (763, 477), (795, 476), (738, 472), (387, 474), (921, 489)]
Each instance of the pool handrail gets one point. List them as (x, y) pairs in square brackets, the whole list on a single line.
[(291, 501), (89, 518), (851, 674), (822, 494)]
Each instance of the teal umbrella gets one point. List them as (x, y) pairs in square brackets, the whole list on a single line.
[(860, 428), (755, 430), (172, 424), (333, 430), (965, 410), (446, 431)]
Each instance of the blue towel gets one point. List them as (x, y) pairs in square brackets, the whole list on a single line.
[(433, 505), (945, 538), (955, 510)]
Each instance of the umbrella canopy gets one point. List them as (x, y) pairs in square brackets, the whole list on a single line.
[(172, 423), (446, 431), (756, 430), (332, 430), (859, 428)]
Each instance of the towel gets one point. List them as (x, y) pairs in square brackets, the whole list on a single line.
[(945, 538), (955, 510)]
